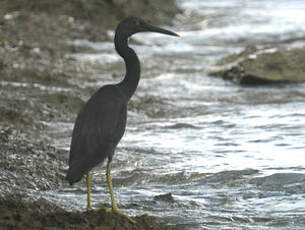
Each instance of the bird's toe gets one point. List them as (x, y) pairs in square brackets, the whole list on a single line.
[(115, 211)]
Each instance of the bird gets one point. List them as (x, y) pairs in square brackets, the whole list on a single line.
[(101, 122)]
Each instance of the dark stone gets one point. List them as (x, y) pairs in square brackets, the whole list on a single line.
[(168, 197), (258, 67)]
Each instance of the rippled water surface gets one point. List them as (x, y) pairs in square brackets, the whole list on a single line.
[(232, 156)]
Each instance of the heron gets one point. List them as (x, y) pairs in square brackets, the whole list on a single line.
[(101, 122)]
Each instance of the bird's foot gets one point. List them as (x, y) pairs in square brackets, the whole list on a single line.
[(116, 211), (90, 209)]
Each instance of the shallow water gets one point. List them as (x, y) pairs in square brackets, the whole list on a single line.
[(232, 156)]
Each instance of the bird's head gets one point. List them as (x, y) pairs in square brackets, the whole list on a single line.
[(132, 25)]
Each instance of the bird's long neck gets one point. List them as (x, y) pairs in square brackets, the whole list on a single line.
[(130, 82)]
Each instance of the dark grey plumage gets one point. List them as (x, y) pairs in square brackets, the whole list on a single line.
[(101, 122), (98, 129)]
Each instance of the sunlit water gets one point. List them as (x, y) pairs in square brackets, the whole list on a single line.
[(232, 156)]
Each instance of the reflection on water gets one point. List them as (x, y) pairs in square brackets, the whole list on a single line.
[(232, 157)]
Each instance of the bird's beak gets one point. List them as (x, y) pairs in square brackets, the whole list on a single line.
[(150, 28)]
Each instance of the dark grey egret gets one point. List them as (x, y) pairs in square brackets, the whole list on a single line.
[(101, 123)]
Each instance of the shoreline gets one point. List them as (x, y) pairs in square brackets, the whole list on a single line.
[(37, 87)]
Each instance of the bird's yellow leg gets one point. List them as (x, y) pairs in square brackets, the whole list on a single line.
[(88, 180), (114, 207)]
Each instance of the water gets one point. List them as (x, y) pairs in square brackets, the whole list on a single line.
[(232, 156)]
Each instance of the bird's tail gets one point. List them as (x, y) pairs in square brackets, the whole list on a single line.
[(78, 169), (76, 172)]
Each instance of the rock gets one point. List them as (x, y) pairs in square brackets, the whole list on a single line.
[(41, 214), (168, 197), (281, 179), (260, 66), (279, 183), (284, 178)]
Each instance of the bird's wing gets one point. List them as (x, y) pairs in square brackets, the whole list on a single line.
[(99, 126)]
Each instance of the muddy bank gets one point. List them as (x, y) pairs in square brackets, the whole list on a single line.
[(41, 214), (261, 66)]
